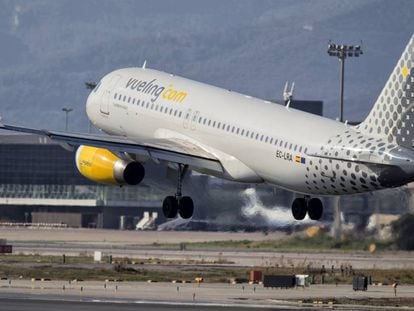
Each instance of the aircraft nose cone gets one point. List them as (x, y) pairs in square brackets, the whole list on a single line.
[(91, 105)]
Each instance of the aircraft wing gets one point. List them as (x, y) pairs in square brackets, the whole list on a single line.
[(157, 149)]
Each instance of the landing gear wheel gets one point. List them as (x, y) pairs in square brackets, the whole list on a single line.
[(186, 207), (170, 207), (315, 209), (299, 208)]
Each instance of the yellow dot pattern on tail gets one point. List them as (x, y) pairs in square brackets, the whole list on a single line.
[(392, 116)]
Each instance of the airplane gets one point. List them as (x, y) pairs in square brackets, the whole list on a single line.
[(152, 115)]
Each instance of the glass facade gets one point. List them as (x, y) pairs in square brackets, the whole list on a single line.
[(34, 167)]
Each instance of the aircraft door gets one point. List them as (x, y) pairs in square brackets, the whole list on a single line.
[(194, 120), (187, 118), (106, 96)]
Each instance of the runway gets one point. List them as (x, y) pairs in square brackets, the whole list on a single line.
[(16, 304), (176, 293)]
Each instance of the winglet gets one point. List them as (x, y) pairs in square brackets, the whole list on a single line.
[(144, 65)]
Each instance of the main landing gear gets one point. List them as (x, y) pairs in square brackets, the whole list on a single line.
[(312, 206), (178, 204)]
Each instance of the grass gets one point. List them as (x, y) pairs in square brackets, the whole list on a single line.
[(321, 242), (211, 274), (124, 273), (36, 266)]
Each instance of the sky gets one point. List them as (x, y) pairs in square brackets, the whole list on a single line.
[(49, 48)]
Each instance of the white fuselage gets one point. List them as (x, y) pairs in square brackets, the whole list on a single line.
[(272, 143)]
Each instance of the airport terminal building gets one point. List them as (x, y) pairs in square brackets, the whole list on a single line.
[(39, 183)]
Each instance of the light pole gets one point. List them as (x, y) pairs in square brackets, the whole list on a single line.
[(343, 51), (67, 111)]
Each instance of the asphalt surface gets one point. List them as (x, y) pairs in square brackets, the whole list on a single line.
[(217, 293), (16, 304), (125, 237)]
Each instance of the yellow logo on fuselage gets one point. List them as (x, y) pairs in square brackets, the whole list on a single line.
[(174, 95)]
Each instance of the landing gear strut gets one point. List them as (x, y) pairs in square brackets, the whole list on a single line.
[(178, 204), (312, 206)]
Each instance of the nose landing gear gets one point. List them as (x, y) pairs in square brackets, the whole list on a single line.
[(311, 206), (173, 205)]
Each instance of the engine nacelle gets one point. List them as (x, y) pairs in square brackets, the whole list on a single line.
[(102, 166)]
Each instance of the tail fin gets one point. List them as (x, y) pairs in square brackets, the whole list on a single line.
[(392, 116)]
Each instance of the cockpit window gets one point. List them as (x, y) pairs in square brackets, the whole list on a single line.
[(97, 86)]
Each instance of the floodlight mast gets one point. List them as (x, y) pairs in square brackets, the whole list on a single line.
[(341, 51), (67, 110)]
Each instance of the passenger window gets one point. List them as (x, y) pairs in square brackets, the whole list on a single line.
[(257, 136), (214, 124), (271, 141), (175, 113), (180, 114), (242, 132), (281, 143), (290, 146), (296, 147), (251, 136), (219, 125), (286, 143), (223, 126), (300, 149), (209, 122), (133, 101), (147, 105), (124, 98), (276, 140), (115, 95), (199, 119), (261, 138), (129, 100), (119, 96), (152, 106), (171, 110), (228, 128), (267, 138), (204, 121)]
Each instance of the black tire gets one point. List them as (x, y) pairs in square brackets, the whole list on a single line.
[(315, 209), (299, 208), (170, 207), (186, 207)]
